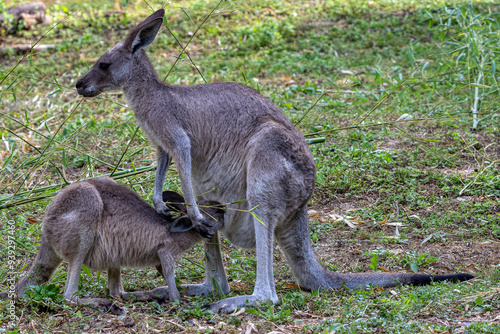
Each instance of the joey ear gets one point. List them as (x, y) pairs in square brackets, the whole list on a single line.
[(145, 32), (174, 200), (181, 224), (172, 196)]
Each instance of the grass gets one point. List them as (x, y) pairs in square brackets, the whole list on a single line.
[(346, 71)]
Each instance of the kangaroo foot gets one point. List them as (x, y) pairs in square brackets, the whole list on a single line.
[(159, 295), (102, 304), (229, 305)]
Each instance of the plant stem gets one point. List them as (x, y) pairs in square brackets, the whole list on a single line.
[(476, 100)]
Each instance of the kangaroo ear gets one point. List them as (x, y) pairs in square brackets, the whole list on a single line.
[(174, 201), (181, 224), (145, 32)]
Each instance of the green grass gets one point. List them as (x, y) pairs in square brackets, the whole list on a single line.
[(341, 70)]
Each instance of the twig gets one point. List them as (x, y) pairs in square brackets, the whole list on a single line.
[(173, 323), (476, 100), (36, 149), (48, 144), (310, 108), (33, 326), (34, 44), (372, 125), (194, 34), (180, 45), (187, 54), (116, 176), (477, 175), (125, 151)]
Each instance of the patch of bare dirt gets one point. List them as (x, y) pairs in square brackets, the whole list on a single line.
[(472, 257)]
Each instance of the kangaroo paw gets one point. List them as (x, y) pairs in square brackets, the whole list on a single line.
[(164, 210), (205, 228)]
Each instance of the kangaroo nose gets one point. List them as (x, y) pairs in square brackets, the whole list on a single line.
[(78, 84)]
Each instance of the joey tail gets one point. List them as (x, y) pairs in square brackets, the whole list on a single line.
[(296, 245)]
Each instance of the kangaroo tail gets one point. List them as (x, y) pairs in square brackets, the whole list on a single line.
[(422, 279), (46, 262), (385, 280), (296, 245)]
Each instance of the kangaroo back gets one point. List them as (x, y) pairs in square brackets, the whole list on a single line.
[(71, 222)]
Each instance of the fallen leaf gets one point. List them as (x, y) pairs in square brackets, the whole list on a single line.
[(251, 328), (395, 224), (350, 224), (240, 311), (383, 222), (427, 239), (27, 147), (311, 213)]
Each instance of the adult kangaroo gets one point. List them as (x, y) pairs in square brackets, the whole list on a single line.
[(229, 143)]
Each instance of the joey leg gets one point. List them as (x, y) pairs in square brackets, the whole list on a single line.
[(215, 278), (159, 295), (114, 282), (168, 270), (46, 262)]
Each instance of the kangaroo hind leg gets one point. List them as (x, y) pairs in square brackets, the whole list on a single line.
[(267, 197), (71, 225), (46, 262), (293, 239)]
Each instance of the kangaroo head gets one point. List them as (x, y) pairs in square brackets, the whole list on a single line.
[(117, 66)]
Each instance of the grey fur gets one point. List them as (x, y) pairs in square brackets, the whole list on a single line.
[(229, 143), (105, 226)]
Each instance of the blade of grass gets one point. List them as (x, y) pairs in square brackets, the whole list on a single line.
[(194, 34)]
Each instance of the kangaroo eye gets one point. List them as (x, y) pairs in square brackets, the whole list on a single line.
[(104, 66)]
